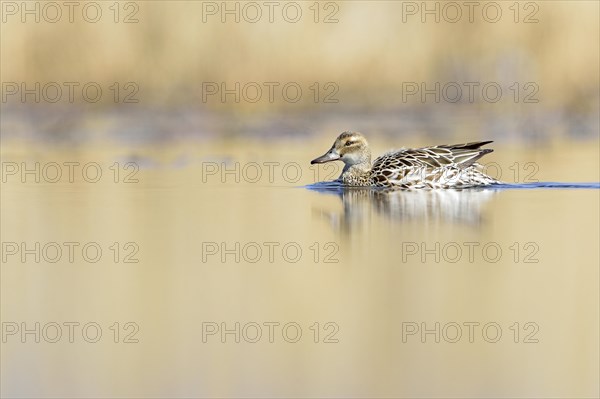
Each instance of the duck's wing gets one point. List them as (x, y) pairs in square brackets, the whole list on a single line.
[(416, 166), (462, 155), (457, 155)]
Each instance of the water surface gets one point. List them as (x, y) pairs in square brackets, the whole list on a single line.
[(368, 267)]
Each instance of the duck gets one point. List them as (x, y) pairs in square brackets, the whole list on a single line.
[(435, 167)]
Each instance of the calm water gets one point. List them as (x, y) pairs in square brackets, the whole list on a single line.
[(475, 293)]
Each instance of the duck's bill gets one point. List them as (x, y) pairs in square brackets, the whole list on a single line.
[(328, 157)]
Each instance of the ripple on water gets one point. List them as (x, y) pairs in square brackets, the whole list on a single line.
[(337, 186)]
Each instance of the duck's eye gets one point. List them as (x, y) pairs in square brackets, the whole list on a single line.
[(349, 143)]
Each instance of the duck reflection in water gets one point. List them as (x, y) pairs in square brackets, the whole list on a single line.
[(462, 207)]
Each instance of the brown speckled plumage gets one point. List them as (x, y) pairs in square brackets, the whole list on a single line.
[(442, 166)]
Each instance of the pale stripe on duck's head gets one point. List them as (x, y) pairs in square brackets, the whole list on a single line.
[(350, 147)]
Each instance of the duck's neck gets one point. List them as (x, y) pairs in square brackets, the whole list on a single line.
[(357, 174)]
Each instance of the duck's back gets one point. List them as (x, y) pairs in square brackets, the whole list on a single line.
[(443, 166)]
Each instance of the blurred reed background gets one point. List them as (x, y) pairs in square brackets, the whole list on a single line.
[(369, 54), (173, 135)]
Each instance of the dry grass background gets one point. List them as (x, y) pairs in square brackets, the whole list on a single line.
[(369, 50), (369, 53)]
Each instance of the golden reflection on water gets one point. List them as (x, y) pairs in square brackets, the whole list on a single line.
[(431, 207), (372, 267)]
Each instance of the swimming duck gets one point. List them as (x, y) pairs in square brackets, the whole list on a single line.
[(442, 166)]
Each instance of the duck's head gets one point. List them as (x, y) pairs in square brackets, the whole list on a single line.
[(350, 147)]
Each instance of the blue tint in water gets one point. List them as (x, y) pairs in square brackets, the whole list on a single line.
[(546, 185), (336, 186)]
